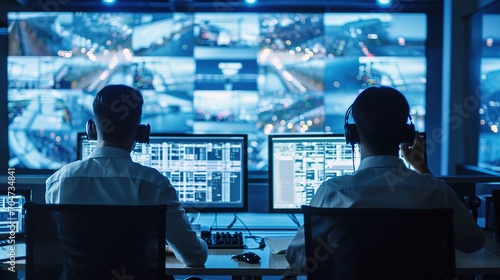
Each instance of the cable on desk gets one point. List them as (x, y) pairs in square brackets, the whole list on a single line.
[(233, 222), (294, 219), (261, 241), (194, 220), (214, 223)]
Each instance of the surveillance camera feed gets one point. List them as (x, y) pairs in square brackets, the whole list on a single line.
[(489, 110), (240, 73)]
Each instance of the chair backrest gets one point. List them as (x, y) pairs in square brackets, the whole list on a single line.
[(95, 241), (496, 204), (375, 243)]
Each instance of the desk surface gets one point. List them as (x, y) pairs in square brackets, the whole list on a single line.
[(481, 262), (492, 242), (220, 263), (485, 261)]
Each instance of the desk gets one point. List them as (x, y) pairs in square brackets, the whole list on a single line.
[(492, 242), (220, 263), (483, 262)]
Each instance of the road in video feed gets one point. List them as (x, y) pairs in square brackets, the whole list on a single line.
[(254, 73)]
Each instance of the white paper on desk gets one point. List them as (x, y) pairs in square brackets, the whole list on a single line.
[(278, 244), (15, 251)]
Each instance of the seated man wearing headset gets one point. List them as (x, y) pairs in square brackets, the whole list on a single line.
[(109, 176), (381, 116)]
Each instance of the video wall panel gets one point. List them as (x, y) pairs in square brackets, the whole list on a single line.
[(252, 73), (488, 90)]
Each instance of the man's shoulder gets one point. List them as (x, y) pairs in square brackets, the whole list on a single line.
[(109, 168), (339, 182), (69, 169), (147, 173), (367, 177)]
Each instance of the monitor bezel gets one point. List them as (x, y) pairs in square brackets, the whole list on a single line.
[(27, 194), (205, 207)]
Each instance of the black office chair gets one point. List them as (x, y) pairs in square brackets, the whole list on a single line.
[(367, 243), (95, 241)]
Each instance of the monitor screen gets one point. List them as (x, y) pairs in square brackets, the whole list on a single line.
[(484, 73), (251, 73), (209, 171), (12, 214), (300, 163)]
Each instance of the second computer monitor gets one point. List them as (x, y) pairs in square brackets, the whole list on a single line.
[(300, 163), (208, 171)]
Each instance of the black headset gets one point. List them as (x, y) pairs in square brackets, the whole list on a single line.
[(141, 136), (352, 135)]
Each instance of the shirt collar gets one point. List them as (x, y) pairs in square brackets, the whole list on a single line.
[(110, 152), (381, 161)]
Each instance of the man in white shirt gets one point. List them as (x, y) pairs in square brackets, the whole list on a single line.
[(382, 180), (109, 176)]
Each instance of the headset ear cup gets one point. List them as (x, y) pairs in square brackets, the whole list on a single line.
[(91, 130), (351, 134), (142, 135)]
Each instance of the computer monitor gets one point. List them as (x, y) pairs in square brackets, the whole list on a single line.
[(209, 171), (12, 214), (300, 163)]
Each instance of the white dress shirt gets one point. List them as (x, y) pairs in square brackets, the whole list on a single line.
[(109, 176), (385, 182)]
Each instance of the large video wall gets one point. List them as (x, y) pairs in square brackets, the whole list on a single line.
[(252, 73), (488, 90)]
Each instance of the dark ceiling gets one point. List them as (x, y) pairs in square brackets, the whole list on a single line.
[(219, 5)]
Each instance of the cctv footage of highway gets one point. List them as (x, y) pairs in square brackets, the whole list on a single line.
[(253, 73), (487, 94), (489, 115)]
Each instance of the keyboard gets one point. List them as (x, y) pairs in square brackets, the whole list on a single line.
[(224, 240)]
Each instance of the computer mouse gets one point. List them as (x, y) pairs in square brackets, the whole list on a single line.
[(248, 257)]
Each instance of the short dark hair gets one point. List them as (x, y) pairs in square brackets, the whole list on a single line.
[(117, 110), (381, 114)]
